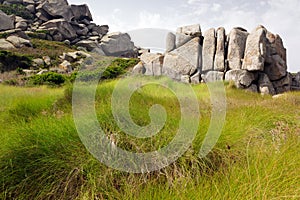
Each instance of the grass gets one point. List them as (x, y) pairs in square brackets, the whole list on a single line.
[(42, 157)]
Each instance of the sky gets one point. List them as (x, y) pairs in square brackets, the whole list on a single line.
[(148, 21)]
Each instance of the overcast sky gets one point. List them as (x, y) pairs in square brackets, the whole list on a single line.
[(278, 16)]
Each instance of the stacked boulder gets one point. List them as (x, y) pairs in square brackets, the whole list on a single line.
[(58, 21), (254, 61)]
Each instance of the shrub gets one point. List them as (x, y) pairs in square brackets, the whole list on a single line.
[(51, 78)]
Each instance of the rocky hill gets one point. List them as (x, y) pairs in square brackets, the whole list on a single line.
[(254, 61), (56, 20)]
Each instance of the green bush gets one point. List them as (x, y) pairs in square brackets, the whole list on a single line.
[(51, 78), (17, 9)]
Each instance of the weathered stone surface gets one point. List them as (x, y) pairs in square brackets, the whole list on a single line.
[(74, 56), (6, 45), (38, 63), (117, 44), (252, 88), (91, 46), (81, 12), (275, 62), (66, 66), (183, 61), (139, 69), (185, 79), (19, 42), (283, 85), (196, 78), (170, 42), (47, 60), (31, 8), (191, 30), (213, 76), (22, 25), (209, 49), (265, 86), (241, 78), (219, 63), (62, 26), (28, 2), (6, 22), (153, 64), (276, 46), (255, 52), (53, 9), (182, 39), (236, 48), (277, 69)]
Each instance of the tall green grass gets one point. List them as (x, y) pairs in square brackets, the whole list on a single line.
[(42, 157)]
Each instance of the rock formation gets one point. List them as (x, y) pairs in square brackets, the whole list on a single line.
[(58, 21), (254, 61)]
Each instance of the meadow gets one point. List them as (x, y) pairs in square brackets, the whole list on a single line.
[(42, 156)]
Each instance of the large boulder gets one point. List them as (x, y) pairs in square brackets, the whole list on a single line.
[(170, 42), (277, 69), (6, 22), (209, 49), (256, 50), (153, 63), (53, 9), (6, 45), (241, 78), (117, 44), (219, 64), (90, 45), (213, 76), (81, 12), (275, 63), (265, 86), (236, 48), (62, 27), (183, 61), (186, 33), (19, 42), (191, 30)]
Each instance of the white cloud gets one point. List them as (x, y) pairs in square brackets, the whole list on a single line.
[(149, 20), (216, 7)]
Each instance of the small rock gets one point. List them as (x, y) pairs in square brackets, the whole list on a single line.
[(212, 76), (6, 45), (139, 69), (19, 42)]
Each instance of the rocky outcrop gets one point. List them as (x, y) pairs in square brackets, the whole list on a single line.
[(253, 61)]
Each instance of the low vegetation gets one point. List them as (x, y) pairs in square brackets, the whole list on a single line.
[(42, 157), (17, 9)]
